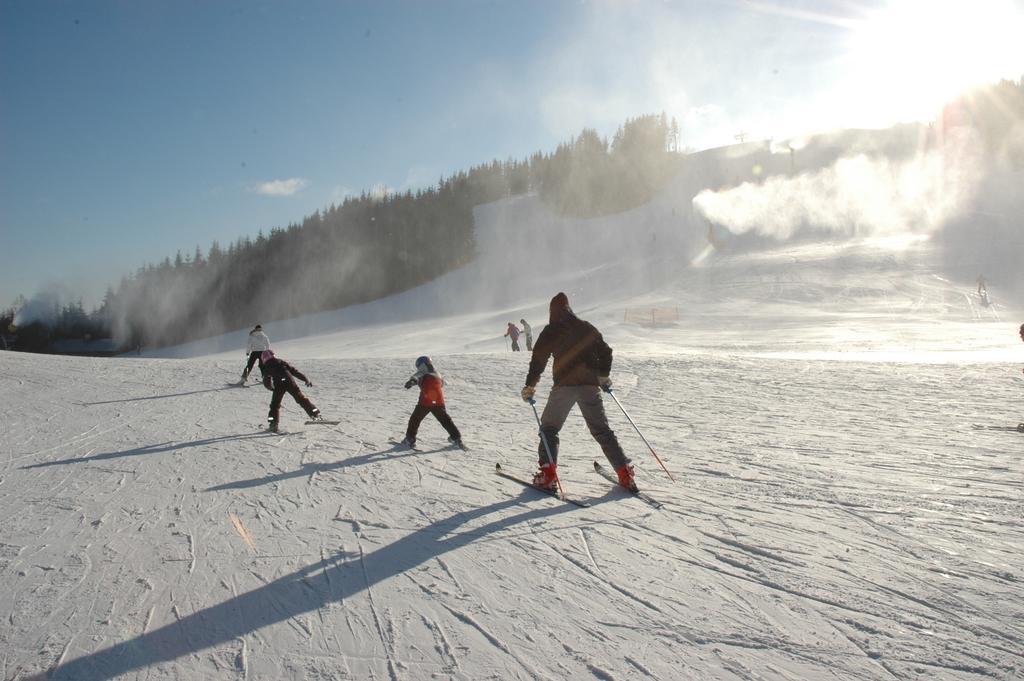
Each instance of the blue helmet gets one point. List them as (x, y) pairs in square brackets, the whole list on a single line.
[(423, 362)]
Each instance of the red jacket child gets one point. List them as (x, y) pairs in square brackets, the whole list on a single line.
[(431, 402)]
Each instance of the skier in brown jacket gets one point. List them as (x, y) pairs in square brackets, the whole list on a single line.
[(582, 364)]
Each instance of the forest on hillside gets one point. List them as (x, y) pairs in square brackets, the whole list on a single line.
[(366, 248), (374, 246)]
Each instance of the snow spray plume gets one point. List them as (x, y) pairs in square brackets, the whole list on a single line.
[(856, 196), (44, 306)]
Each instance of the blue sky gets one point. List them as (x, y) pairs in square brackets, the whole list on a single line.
[(132, 130)]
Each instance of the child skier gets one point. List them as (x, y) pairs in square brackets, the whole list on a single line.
[(431, 402), (277, 376), (258, 342)]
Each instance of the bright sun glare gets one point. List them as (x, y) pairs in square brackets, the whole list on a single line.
[(914, 55)]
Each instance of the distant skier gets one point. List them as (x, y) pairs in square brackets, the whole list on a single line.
[(431, 402), (513, 333), (1022, 335), (528, 332), (278, 376), (582, 364), (258, 342), (1020, 426)]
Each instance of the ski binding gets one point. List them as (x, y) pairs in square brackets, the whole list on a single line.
[(526, 483), (613, 478)]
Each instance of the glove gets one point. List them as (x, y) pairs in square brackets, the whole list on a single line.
[(527, 393), (410, 383), (309, 384), (605, 382)]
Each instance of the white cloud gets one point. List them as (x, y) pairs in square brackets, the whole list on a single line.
[(287, 187)]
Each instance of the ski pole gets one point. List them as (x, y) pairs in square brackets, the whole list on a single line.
[(547, 448), (657, 458)]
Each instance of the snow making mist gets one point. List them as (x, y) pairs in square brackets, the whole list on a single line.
[(45, 306), (528, 252), (857, 196)]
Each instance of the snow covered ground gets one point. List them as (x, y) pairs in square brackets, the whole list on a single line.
[(855, 519)]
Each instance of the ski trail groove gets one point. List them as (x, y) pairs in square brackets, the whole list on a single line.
[(465, 618), (384, 640)]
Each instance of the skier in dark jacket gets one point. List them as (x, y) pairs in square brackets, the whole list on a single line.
[(277, 376), (431, 402), (582, 364)]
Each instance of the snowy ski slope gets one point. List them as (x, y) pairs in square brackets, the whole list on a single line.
[(856, 519)]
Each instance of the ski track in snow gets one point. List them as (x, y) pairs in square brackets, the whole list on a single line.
[(830, 519), (822, 536)]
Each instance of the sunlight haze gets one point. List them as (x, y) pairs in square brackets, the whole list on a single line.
[(132, 132)]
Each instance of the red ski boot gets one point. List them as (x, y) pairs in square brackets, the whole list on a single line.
[(626, 478), (547, 477)]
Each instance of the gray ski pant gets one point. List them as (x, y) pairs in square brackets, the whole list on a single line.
[(588, 397)]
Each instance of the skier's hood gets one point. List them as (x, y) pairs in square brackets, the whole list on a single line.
[(559, 308)]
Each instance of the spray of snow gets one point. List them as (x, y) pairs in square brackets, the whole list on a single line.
[(44, 306), (860, 195)]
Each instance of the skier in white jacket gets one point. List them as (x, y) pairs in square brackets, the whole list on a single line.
[(258, 342)]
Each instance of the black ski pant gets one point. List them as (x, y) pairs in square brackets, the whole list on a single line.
[(292, 389), (515, 345), (254, 357), (439, 412), (560, 403)]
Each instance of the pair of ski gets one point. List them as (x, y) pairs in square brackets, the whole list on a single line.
[(312, 422), (1019, 428), (598, 468), (399, 443)]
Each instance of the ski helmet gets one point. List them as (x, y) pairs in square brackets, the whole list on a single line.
[(266, 355), (423, 360)]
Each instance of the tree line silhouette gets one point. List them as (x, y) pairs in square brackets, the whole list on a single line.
[(366, 248), (373, 246)]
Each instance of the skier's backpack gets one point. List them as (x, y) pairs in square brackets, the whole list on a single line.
[(268, 382)]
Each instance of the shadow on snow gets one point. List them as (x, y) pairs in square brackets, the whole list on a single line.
[(311, 468), (305, 590), (156, 397), (159, 448)]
